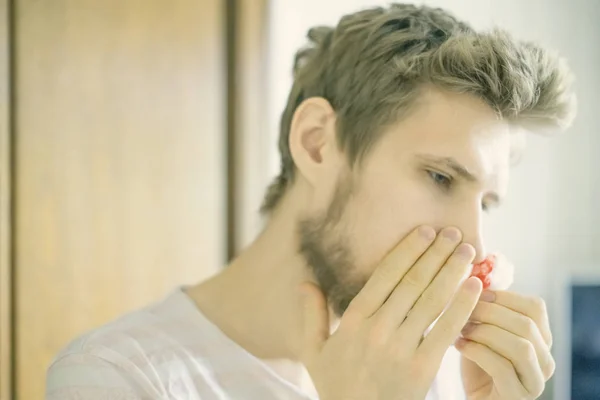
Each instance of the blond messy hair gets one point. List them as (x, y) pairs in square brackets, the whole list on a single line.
[(372, 66)]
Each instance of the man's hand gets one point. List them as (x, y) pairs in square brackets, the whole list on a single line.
[(378, 351), (506, 350)]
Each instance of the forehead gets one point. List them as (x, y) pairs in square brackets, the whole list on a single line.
[(454, 125)]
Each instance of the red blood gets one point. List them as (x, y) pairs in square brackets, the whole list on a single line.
[(483, 270)]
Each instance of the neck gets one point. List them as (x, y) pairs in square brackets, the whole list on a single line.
[(255, 300)]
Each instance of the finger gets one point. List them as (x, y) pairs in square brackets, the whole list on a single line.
[(519, 351), (448, 327), (499, 368), (440, 292), (520, 325), (420, 275), (533, 307), (315, 321), (389, 272)]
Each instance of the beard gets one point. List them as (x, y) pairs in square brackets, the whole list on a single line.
[(327, 251)]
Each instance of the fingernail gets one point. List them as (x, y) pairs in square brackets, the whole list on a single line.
[(465, 250), (452, 234), (488, 296), (468, 328), (472, 284), (427, 232)]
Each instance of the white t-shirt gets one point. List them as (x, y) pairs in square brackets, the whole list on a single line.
[(168, 350)]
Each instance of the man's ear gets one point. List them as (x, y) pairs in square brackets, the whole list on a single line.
[(312, 137)]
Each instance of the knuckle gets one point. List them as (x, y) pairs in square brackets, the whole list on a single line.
[(538, 388), (550, 367), (539, 305), (530, 353), (527, 325), (429, 298), (415, 279), (387, 272), (378, 335), (524, 349)]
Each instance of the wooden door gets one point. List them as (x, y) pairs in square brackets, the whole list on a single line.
[(119, 169)]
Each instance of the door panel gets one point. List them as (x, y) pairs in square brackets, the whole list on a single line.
[(120, 194)]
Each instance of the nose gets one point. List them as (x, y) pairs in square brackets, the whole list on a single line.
[(475, 238), (469, 220)]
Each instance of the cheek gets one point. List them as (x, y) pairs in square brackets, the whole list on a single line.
[(382, 216)]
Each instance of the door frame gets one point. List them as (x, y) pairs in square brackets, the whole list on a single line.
[(248, 139), (6, 215)]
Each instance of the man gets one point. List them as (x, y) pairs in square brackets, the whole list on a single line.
[(397, 137)]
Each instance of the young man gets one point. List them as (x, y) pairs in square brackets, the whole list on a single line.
[(397, 137)]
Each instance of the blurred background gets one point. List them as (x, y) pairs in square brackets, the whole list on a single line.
[(137, 138)]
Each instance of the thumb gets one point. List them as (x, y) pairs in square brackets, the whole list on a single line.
[(315, 320)]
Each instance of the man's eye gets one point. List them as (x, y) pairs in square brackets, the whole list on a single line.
[(445, 182)]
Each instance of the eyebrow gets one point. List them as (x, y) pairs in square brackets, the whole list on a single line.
[(459, 169)]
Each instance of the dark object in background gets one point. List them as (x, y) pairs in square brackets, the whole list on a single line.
[(585, 342)]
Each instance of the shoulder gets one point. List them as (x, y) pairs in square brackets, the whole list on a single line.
[(119, 359), (81, 375)]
